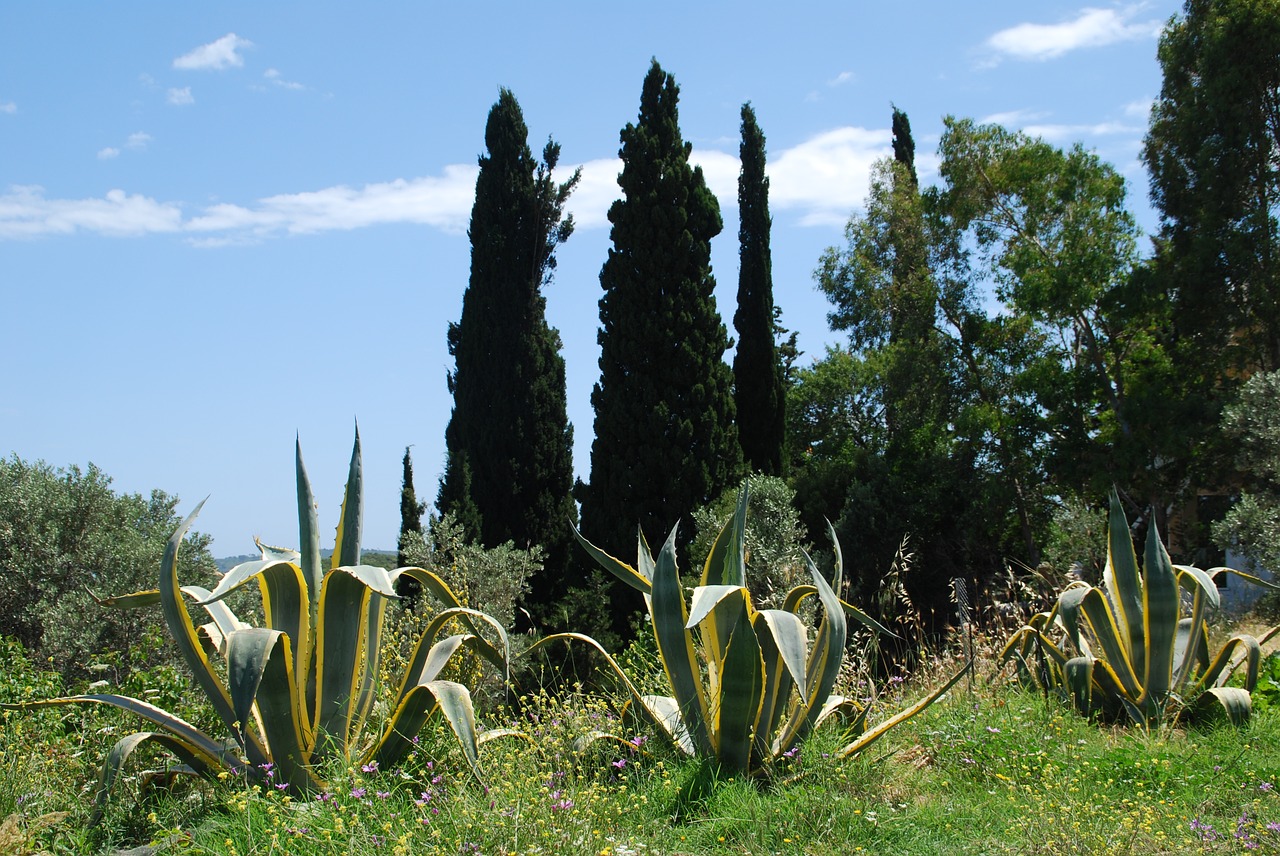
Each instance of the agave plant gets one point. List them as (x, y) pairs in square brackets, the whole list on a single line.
[(1127, 648), (748, 685), (298, 693)]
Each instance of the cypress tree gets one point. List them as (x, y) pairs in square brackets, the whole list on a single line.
[(665, 440), (759, 391), (410, 509), (508, 476)]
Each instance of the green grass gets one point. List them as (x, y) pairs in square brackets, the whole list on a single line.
[(996, 771)]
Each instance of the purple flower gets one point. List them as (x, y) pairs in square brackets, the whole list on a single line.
[(324, 796), (792, 752), (562, 805), (993, 730), (358, 793), (1265, 786), (282, 786), (638, 741), (382, 795), (371, 767), (620, 763)]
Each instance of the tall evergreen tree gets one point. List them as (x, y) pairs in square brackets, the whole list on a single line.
[(411, 509), (1213, 150), (665, 440), (759, 390), (509, 471)]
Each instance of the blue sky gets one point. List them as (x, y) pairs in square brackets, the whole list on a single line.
[(222, 225)]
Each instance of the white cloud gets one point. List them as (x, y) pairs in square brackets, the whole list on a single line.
[(1013, 118), (26, 213), (181, 97), (274, 76), (138, 140), (108, 153), (217, 55), (1140, 109), (8, 107), (826, 177), (1071, 133), (842, 78), (1091, 28)]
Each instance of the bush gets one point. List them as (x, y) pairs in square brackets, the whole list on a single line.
[(775, 537), (491, 581), (64, 532)]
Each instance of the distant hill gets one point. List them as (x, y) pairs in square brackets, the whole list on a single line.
[(381, 558)]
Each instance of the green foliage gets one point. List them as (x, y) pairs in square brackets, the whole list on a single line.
[(1125, 648), (1215, 178), (758, 387), (298, 693), (665, 440), (64, 533), (509, 472), (493, 581), (775, 537), (1252, 425), (747, 687)]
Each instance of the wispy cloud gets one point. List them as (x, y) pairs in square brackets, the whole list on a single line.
[(1139, 109), (1056, 133), (273, 75), (138, 140), (823, 179), (1013, 118), (8, 107), (26, 213), (108, 153), (826, 177), (181, 97), (842, 78), (217, 55), (1091, 28)]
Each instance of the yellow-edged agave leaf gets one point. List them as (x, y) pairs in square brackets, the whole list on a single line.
[(285, 600), (873, 734), (499, 658), (1233, 702), (665, 711), (791, 640), (132, 600), (120, 753), (670, 617), (187, 639), (641, 582), (309, 535), (741, 691), (346, 542), (247, 652), (341, 637), (284, 720), (450, 698), (1161, 602), (1123, 584), (726, 563)]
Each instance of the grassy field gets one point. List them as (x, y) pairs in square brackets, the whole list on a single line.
[(990, 770)]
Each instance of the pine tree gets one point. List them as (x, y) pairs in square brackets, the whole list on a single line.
[(410, 509), (665, 440), (759, 390), (508, 476)]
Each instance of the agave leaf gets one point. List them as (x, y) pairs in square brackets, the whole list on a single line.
[(187, 639), (247, 652), (726, 563), (120, 753), (309, 533), (1239, 648), (791, 639), (1106, 632), (1123, 584), (210, 752), (1078, 674), (1234, 702), (346, 543), (620, 569), (283, 717), (1160, 606), (450, 698), (741, 690), (132, 600), (875, 733), (341, 637), (675, 645), (665, 711)]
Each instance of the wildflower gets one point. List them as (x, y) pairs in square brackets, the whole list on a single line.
[(358, 793), (371, 767), (638, 741), (282, 786), (993, 729), (1265, 786), (382, 795), (620, 763), (324, 796), (792, 752)]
